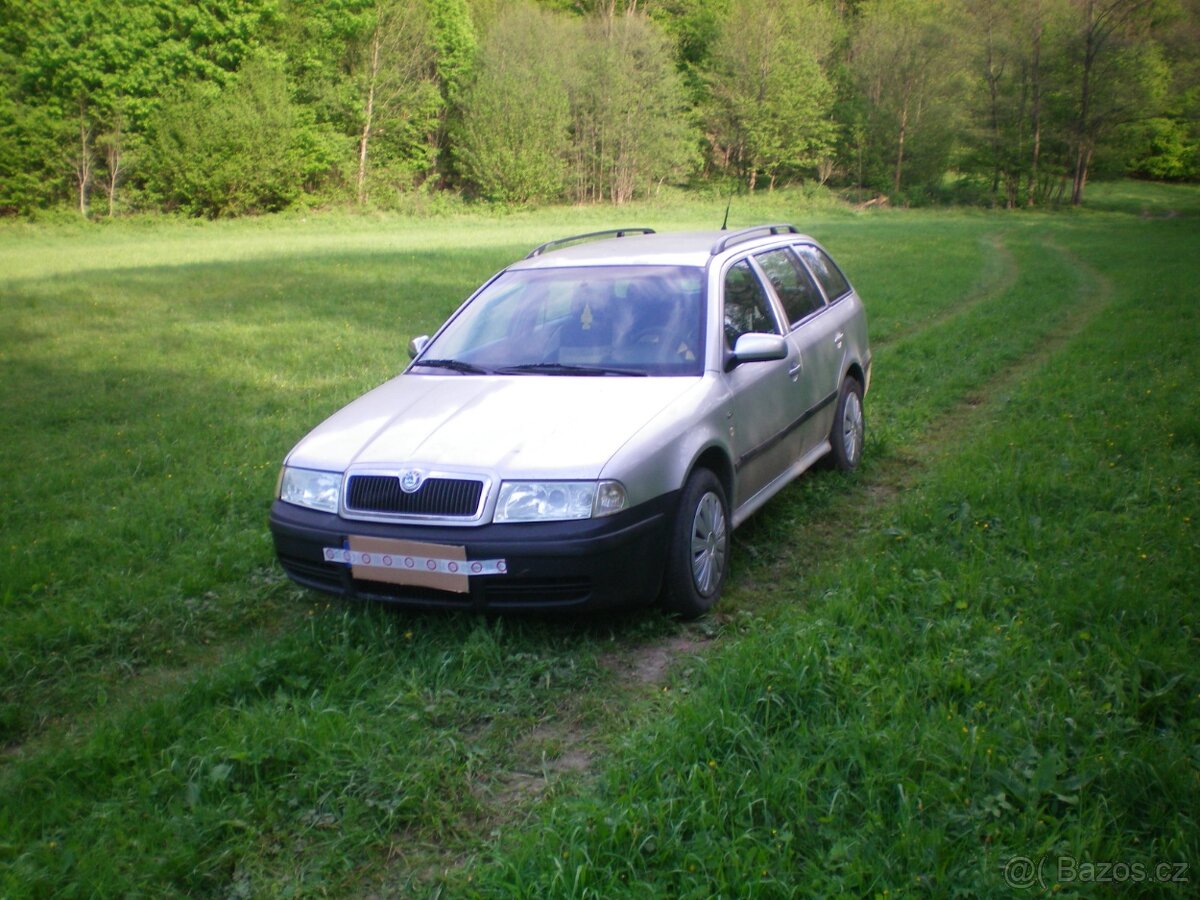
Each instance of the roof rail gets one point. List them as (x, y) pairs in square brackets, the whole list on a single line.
[(746, 233), (594, 235)]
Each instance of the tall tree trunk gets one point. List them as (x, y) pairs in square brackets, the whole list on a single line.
[(83, 163), (1036, 114), (112, 144), (993, 82), (900, 146), (1083, 125), (112, 156), (368, 119), (1083, 161)]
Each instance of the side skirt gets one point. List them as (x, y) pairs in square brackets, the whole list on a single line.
[(751, 506)]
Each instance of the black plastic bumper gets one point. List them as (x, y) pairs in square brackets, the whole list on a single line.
[(591, 564)]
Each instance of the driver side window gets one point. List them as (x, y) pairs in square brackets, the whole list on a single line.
[(746, 306)]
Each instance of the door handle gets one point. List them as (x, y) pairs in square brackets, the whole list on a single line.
[(838, 338), (794, 371)]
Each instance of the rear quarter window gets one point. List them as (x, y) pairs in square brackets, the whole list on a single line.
[(792, 283), (825, 271)]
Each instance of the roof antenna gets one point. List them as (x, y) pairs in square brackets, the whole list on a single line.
[(725, 224)]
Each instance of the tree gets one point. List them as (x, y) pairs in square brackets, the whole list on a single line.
[(770, 107), (113, 146), (1117, 77), (905, 58), (514, 137), (82, 157), (1160, 148), (452, 36), (392, 68), (239, 149), (628, 106), (693, 26), (1004, 40), (72, 67), (29, 174)]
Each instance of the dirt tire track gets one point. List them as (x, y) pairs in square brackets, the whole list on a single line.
[(1095, 295), (1000, 272)]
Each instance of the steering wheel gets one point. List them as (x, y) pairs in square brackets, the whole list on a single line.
[(651, 335), (664, 341)]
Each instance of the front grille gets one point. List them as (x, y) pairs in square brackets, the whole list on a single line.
[(435, 497)]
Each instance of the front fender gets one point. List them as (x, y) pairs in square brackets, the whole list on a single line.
[(661, 455)]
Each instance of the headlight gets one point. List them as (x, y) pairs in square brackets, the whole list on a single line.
[(316, 490), (549, 501)]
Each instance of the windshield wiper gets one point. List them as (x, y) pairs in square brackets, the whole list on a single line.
[(455, 364), (549, 368)]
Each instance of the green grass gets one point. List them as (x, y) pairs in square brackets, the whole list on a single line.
[(981, 646), (1003, 664)]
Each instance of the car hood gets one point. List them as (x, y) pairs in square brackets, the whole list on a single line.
[(533, 426)]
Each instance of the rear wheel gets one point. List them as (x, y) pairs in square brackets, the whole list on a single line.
[(698, 554), (849, 427)]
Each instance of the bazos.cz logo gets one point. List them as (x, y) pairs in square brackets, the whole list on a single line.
[(1024, 872)]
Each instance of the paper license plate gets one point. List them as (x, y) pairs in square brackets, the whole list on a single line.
[(440, 566)]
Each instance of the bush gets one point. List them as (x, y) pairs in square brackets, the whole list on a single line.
[(1161, 149), (239, 149), (513, 140)]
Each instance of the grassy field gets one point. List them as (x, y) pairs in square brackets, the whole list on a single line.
[(981, 650)]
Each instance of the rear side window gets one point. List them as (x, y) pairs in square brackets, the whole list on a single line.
[(792, 283), (831, 278)]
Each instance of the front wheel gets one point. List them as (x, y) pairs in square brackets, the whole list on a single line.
[(849, 427), (698, 553)]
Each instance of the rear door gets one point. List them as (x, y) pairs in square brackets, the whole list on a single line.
[(842, 332), (812, 335)]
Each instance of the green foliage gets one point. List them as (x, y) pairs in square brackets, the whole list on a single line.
[(318, 39), (1014, 95), (514, 140), (454, 44), (1160, 148), (629, 133), (30, 176), (771, 104), (693, 26), (911, 86), (397, 102), (233, 150), (590, 108)]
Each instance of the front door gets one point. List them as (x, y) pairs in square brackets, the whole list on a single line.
[(762, 393)]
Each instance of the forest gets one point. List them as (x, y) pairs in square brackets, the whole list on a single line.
[(222, 108)]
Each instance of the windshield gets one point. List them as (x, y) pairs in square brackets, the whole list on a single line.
[(598, 320)]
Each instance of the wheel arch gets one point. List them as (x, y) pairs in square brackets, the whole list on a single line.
[(717, 461), (855, 371)]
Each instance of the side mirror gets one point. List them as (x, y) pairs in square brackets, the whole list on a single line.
[(755, 347), (416, 345)]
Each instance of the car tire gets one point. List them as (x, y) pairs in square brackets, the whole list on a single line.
[(698, 552), (849, 427)]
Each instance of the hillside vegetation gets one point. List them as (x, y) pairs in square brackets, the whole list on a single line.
[(231, 107)]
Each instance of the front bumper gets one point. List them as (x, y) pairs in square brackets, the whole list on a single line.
[(591, 564)]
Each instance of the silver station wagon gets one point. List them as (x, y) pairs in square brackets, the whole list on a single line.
[(587, 429)]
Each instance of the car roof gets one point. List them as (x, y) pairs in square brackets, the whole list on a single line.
[(682, 248)]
